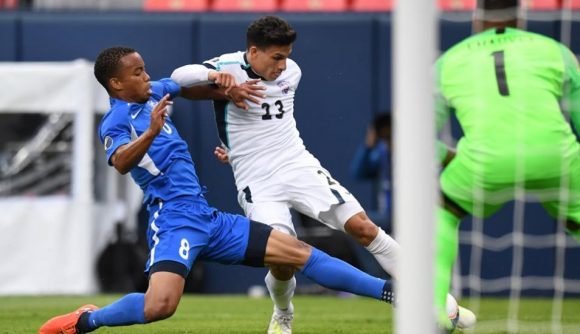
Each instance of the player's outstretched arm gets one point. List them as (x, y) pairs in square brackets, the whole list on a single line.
[(192, 75), (240, 95), (128, 156), (195, 75), (201, 83), (198, 82)]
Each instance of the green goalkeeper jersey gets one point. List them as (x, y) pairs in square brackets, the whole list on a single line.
[(513, 93)]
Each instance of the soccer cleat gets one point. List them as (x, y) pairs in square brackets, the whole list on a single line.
[(65, 324), (281, 323), (465, 318)]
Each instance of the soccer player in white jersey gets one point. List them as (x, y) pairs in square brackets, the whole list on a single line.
[(273, 170)]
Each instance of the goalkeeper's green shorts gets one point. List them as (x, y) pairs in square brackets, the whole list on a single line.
[(560, 196)]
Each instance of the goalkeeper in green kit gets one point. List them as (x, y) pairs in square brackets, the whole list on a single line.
[(516, 95)]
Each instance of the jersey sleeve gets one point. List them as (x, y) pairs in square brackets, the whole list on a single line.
[(571, 93), (114, 132), (225, 60), (165, 86), (212, 63)]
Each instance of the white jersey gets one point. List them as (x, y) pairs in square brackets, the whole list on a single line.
[(263, 139)]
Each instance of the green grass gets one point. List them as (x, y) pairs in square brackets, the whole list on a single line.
[(534, 316), (211, 314), (238, 314)]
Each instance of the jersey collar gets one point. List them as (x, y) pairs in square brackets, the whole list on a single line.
[(114, 100), (248, 68), (119, 104)]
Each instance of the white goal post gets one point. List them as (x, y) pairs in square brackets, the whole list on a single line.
[(414, 45)]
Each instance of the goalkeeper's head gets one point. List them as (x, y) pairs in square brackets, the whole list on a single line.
[(496, 14)]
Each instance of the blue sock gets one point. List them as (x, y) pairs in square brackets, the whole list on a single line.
[(339, 275), (128, 310)]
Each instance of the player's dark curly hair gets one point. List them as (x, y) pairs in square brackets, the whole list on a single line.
[(107, 63), (268, 31)]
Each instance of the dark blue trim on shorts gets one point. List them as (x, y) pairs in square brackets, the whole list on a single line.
[(169, 266), (258, 239)]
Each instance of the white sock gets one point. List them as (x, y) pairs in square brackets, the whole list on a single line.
[(386, 251), (281, 292)]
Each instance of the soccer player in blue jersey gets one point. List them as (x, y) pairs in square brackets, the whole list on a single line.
[(139, 137)]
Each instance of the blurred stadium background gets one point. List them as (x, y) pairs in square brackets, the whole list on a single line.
[(70, 225)]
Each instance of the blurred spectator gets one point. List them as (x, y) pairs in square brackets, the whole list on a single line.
[(372, 161)]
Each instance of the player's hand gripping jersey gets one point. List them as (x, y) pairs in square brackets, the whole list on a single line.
[(506, 87), (264, 138)]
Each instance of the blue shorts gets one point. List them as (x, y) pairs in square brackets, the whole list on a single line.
[(185, 229)]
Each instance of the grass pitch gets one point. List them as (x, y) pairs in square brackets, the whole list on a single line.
[(314, 315)]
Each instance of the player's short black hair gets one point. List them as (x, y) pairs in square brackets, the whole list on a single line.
[(107, 63), (497, 4), (381, 121), (268, 31)]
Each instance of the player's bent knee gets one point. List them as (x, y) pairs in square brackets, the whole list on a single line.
[(283, 249), (163, 295), (160, 308)]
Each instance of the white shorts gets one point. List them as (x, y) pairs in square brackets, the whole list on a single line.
[(309, 190)]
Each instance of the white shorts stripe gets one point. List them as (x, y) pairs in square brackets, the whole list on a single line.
[(155, 229)]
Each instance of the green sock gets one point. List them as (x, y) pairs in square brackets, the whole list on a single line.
[(447, 244)]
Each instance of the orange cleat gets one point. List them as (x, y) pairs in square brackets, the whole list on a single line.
[(65, 324)]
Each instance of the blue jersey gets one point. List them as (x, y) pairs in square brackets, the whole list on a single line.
[(166, 171), (182, 226)]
